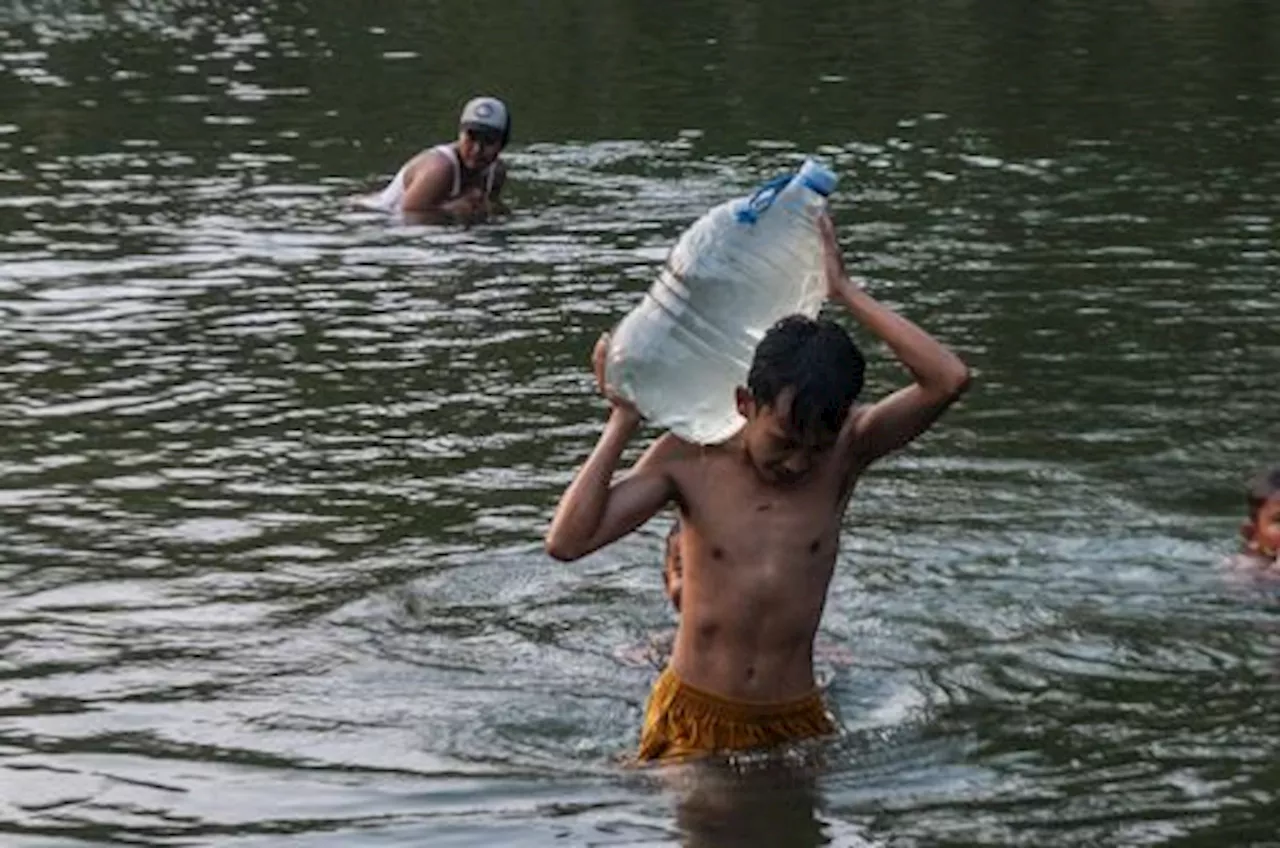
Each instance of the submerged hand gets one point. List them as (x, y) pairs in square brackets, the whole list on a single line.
[(599, 356), (474, 203)]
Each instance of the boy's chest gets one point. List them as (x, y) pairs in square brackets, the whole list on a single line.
[(743, 517)]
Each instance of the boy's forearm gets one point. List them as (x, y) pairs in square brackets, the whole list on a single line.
[(931, 363), (582, 506)]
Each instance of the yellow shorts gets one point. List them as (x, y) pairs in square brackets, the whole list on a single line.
[(682, 721)]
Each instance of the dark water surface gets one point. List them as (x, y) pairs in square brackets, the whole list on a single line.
[(274, 473)]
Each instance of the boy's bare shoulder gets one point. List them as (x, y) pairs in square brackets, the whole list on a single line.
[(671, 449), (853, 419), (851, 441), (682, 461)]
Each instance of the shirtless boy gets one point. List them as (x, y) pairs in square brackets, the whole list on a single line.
[(760, 515), (827, 652)]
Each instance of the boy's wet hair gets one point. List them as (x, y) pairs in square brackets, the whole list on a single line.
[(818, 359), (1263, 488)]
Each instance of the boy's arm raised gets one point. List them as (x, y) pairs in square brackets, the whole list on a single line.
[(940, 376), (594, 510)]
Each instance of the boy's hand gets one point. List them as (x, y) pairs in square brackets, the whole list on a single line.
[(619, 403), (838, 282)]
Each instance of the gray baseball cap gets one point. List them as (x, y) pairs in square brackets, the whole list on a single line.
[(486, 113)]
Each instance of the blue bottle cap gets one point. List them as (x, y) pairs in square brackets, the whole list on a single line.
[(818, 177)]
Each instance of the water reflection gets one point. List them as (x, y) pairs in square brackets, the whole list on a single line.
[(720, 806)]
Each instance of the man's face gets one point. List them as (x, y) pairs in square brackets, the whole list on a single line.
[(479, 146), (781, 456)]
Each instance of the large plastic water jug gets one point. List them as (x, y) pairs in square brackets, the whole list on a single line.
[(681, 353)]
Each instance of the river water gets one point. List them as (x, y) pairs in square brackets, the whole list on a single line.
[(274, 472)]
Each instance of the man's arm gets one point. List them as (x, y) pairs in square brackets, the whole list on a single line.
[(940, 377), (594, 510), (430, 185)]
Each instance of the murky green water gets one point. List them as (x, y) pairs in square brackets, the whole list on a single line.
[(274, 473)]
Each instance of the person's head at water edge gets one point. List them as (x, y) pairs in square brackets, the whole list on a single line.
[(1261, 529), (483, 131)]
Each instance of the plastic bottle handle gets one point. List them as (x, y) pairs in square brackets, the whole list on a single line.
[(762, 199)]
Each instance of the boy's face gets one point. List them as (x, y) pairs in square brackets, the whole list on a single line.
[(781, 457), (1262, 531)]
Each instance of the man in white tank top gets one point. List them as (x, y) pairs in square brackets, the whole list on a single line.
[(463, 179)]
